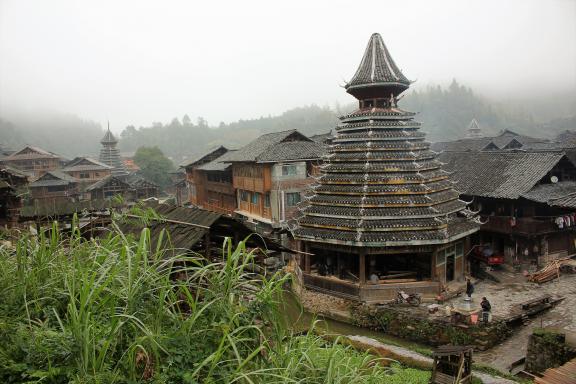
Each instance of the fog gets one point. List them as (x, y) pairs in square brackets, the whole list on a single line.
[(134, 62)]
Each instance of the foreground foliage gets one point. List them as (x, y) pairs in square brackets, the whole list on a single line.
[(114, 310)]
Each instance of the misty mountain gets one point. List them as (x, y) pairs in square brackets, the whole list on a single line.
[(65, 134), (444, 111)]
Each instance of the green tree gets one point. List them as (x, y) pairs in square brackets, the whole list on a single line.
[(154, 165)]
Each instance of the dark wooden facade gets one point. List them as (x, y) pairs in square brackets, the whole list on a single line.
[(12, 189), (33, 160)]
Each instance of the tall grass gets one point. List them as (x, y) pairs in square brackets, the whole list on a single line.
[(114, 310)]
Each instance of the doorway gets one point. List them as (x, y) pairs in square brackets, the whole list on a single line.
[(450, 268)]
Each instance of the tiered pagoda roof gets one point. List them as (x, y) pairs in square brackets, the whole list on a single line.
[(380, 184), (110, 155)]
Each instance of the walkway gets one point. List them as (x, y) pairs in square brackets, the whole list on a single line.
[(403, 354)]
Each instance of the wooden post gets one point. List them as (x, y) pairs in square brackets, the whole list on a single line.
[(338, 265), (433, 264), (307, 268), (207, 245), (362, 267)]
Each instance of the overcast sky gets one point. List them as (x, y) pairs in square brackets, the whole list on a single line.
[(139, 61)]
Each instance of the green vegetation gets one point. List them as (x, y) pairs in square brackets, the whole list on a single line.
[(114, 310), (154, 165)]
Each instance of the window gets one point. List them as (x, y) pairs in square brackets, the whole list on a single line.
[(255, 198), (267, 200), (56, 188), (244, 195), (84, 175), (292, 198), (459, 249), (289, 169)]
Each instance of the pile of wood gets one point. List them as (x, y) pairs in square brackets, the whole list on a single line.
[(550, 272)]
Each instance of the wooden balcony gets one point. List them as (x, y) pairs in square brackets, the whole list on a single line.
[(520, 226), (369, 293)]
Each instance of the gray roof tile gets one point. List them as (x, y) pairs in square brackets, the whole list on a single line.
[(505, 175)]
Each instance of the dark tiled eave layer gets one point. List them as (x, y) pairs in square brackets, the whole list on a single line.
[(403, 189), (385, 212), (367, 145), (379, 124), (383, 178), (410, 155), (455, 230), (385, 201), (378, 136), (352, 225), (382, 113), (381, 167)]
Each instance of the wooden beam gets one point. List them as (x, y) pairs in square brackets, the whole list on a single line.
[(362, 267)]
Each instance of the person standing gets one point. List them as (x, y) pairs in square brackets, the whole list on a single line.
[(469, 289), (486, 308)]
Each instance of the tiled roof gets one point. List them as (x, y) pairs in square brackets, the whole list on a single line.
[(108, 138), (377, 67), (544, 193), (292, 150), (505, 175), (568, 201), (270, 148), (505, 140), (53, 178), (29, 152), (321, 138), (205, 156), (107, 180), (218, 164), (85, 164)]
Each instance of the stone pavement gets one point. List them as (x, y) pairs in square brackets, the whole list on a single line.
[(505, 296)]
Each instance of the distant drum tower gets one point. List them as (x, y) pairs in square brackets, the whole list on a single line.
[(110, 155)]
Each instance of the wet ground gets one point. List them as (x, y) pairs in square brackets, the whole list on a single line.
[(505, 298)]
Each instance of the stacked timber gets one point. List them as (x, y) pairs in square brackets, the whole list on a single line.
[(550, 272)]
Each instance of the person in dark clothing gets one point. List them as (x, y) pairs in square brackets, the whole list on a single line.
[(485, 304), (469, 289), (486, 308)]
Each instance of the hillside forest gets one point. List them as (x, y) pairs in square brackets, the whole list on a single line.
[(444, 111)]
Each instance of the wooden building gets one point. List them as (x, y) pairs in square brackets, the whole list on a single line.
[(270, 175), (13, 184), (526, 199), (130, 187), (87, 171), (200, 231), (209, 181), (54, 186), (33, 160), (382, 216)]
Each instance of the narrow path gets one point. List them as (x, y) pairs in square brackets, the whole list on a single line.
[(406, 354)]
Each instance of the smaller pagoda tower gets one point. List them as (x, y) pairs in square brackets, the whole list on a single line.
[(110, 155), (474, 130)]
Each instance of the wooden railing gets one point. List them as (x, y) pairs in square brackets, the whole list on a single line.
[(332, 286), (370, 293)]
